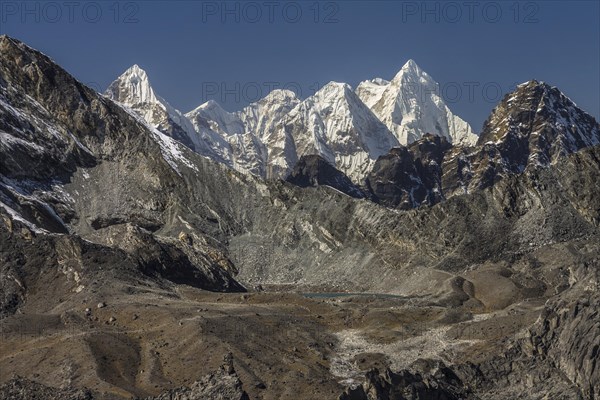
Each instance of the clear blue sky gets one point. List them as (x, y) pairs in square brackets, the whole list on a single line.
[(234, 51)]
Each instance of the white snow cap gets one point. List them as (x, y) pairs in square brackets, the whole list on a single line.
[(132, 87), (410, 106)]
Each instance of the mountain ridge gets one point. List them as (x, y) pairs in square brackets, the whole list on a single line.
[(244, 141)]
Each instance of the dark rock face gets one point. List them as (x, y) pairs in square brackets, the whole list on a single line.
[(532, 127), (20, 388), (549, 122), (568, 335), (313, 170), (438, 383), (411, 176), (23, 150)]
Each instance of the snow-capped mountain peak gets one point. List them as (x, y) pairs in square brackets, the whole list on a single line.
[(410, 106), (279, 95), (261, 117), (246, 131), (132, 87), (411, 73), (370, 91), (379, 81), (133, 90), (412, 67), (334, 124), (335, 86)]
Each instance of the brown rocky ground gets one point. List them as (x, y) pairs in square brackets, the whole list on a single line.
[(284, 345)]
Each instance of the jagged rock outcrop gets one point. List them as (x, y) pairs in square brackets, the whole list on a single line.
[(409, 177), (20, 388), (568, 335), (313, 170), (222, 385), (437, 383)]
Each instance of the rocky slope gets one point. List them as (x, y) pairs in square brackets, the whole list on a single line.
[(88, 146), (19, 388), (227, 214)]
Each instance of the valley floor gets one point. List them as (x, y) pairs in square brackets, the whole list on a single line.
[(284, 345)]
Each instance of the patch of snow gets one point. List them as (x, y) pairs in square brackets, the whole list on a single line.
[(352, 342), (17, 217)]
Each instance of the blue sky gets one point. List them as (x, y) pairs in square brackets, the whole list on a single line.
[(234, 52)]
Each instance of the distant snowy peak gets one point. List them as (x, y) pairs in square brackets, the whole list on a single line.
[(410, 106), (334, 124), (261, 117), (132, 88), (330, 93), (219, 120), (279, 96), (256, 118), (246, 131)]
